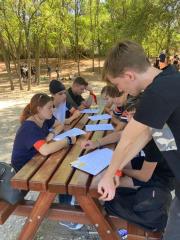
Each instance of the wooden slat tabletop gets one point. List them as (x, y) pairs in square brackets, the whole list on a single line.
[(21, 179), (60, 179), (54, 173), (80, 180)]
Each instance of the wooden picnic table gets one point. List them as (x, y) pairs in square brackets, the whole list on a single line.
[(53, 175)]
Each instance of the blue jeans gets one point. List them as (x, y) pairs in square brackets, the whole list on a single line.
[(65, 199), (172, 231)]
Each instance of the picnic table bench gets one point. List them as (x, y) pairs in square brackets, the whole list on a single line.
[(53, 175)]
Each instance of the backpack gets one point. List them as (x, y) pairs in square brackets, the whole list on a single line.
[(7, 193), (147, 206)]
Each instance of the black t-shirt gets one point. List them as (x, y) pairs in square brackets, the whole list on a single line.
[(159, 109), (74, 100), (162, 172), (162, 57)]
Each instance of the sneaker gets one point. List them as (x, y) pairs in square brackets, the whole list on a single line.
[(71, 225), (74, 201)]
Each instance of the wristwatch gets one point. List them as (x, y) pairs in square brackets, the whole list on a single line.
[(69, 140)]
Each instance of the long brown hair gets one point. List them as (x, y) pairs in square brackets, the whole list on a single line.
[(38, 100)]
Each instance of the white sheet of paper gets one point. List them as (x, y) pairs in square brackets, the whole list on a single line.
[(94, 162), (99, 127), (70, 133), (100, 117), (89, 111)]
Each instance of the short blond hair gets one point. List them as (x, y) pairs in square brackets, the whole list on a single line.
[(125, 55)]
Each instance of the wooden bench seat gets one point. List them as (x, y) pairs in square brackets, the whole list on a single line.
[(75, 214), (6, 210)]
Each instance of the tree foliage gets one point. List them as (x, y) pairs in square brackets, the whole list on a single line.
[(84, 28)]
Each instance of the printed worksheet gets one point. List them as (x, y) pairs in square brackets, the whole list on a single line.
[(94, 162)]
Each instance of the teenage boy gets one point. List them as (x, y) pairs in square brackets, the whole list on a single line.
[(148, 168), (157, 116), (74, 93), (63, 111)]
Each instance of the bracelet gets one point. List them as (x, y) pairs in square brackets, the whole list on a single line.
[(119, 173), (69, 140)]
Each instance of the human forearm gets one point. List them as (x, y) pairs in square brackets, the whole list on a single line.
[(132, 141), (52, 147), (137, 174), (57, 127), (110, 138), (89, 100)]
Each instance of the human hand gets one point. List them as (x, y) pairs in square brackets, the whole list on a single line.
[(89, 88), (76, 114), (88, 145), (50, 137), (73, 139), (68, 121), (106, 188)]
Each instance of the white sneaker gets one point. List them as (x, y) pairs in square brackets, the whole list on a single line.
[(71, 225)]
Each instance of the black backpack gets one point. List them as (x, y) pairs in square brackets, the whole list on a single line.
[(147, 207), (7, 193)]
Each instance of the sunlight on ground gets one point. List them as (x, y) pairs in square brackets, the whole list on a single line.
[(10, 103)]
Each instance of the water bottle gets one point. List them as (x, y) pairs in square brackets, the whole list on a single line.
[(123, 233)]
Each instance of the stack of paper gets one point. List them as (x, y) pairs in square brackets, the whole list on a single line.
[(95, 161), (70, 133), (89, 111), (100, 117), (99, 127)]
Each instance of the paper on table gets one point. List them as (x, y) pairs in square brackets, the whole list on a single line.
[(95, 161), (89, 111), (99, 127), (70, 133), (100, 117)]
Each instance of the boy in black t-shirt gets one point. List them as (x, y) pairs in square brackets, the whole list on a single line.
[(157, 117), (148, 168), (74, 93)]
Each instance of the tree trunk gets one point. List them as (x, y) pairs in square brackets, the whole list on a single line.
[(7, 62), (77, 53), (92, 34), (19, 72), (98, 35), (37, 61), (46, 50), (29, 63)]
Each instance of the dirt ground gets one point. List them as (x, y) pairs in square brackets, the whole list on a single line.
[(11, 104)]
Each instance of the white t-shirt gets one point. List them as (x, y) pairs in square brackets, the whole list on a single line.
[(60, 112)]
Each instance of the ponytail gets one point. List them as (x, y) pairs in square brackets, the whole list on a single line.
[(26, 113), (38, 100)]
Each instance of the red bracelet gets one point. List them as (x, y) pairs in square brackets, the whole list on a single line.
[(119, 173)]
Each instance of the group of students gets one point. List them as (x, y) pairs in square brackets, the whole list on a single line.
[(157, 117), (147, 127), (162, 61), (45, 116)]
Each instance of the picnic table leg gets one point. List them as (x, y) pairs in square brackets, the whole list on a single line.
[(37, 215), (95, 214)]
